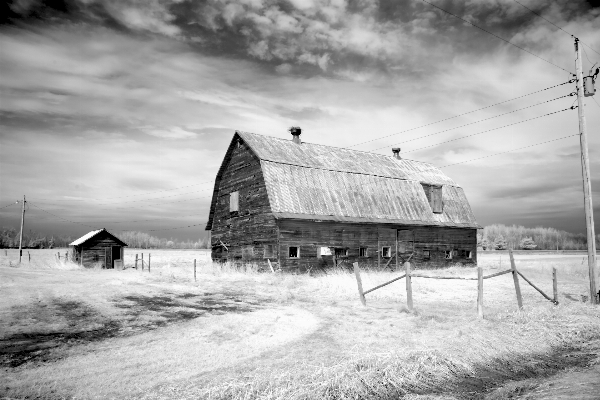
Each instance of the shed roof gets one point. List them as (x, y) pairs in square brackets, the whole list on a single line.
[(310, 181), (92, 234)]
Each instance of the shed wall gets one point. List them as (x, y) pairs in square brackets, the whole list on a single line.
[(98, 250)]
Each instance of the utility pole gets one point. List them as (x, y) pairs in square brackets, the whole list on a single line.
[(587, 186), (21, 236)]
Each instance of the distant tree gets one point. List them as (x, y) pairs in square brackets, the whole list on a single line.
[(500, 243), (485, 244), (51, 243), (527, 243)]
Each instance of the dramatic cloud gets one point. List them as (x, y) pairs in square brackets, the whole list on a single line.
[(103, 101)]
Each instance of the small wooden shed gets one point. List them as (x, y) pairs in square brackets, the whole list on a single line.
[(99, 246)]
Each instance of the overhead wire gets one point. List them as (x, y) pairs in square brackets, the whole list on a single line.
[(11, 204), (509, 151), (552, 23), (179, 227), (135, 195), (499, 37), (59, 217), (460, 115), (476, 122), (489, 130)]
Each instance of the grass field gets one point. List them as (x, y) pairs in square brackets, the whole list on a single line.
[(69, 332)]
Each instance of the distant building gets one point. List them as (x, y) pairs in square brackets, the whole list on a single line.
[(304, 206), (98, 247)]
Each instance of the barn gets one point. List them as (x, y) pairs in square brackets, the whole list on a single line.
[(303, 206), (99, 246)]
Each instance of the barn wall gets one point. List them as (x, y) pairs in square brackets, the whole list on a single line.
[(247, 232), (310, 236)]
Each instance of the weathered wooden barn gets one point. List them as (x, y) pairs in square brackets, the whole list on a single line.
[(98, 246), (304, 206)]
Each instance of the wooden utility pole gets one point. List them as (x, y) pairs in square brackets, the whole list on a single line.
[(587, 186), (21, 235)]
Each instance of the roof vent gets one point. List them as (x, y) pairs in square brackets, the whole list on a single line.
[(296, 131), (396, 151)]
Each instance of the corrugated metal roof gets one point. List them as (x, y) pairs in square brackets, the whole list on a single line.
[(344, 196), (343, 160), (85, 237), (310, 181)]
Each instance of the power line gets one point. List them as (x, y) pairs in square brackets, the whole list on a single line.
[(179, 227), (596, 102), (11, 204), (475, 122), (499, 37), (489, 130), (154, 198), (460, 115), (552, 23), (64, 219), (141, 194), (509, 151)]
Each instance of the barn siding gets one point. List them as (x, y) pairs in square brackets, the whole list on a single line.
[(248, 231), (309, 236)]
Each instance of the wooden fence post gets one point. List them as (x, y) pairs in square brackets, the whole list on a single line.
[(409, 298), (194, 270), (149, 255), (480, 292), (554, 285), (142, 261), (29, 255), (359, 283), (513, 267), (58, 256), (136, 258)]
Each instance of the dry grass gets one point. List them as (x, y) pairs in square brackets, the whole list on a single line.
[(301, 337)]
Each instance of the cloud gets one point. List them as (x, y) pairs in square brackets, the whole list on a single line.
[(174, 132)]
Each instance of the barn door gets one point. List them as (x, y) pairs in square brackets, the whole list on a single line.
[(406, 244)]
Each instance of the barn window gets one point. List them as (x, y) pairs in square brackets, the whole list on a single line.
[(448, 254), (268, 248), (339, 252), (323, 251), (434, 197), (247, 253), (294, 252), (234, 201), (426, 254), (386, 251), (362, 252)]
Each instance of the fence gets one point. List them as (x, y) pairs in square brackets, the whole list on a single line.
[(408, 275)]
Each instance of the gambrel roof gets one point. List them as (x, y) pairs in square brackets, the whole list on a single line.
[(316, 182)]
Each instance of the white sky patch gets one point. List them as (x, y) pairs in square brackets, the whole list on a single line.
[(174, 132)]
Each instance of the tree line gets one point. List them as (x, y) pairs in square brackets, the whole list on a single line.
[(9, 238), (502, 237)]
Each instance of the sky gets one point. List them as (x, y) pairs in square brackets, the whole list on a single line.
[(117, 114)]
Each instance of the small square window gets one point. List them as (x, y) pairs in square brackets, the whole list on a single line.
[(294, 252), (386, 251), (426, 255), (362, 252), (455, 253), (448, 254), (341, 252), (323, 251)]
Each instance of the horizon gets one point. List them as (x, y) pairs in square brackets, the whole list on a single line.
[(118, 116)]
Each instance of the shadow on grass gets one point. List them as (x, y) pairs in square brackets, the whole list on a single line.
[(80, 324)]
